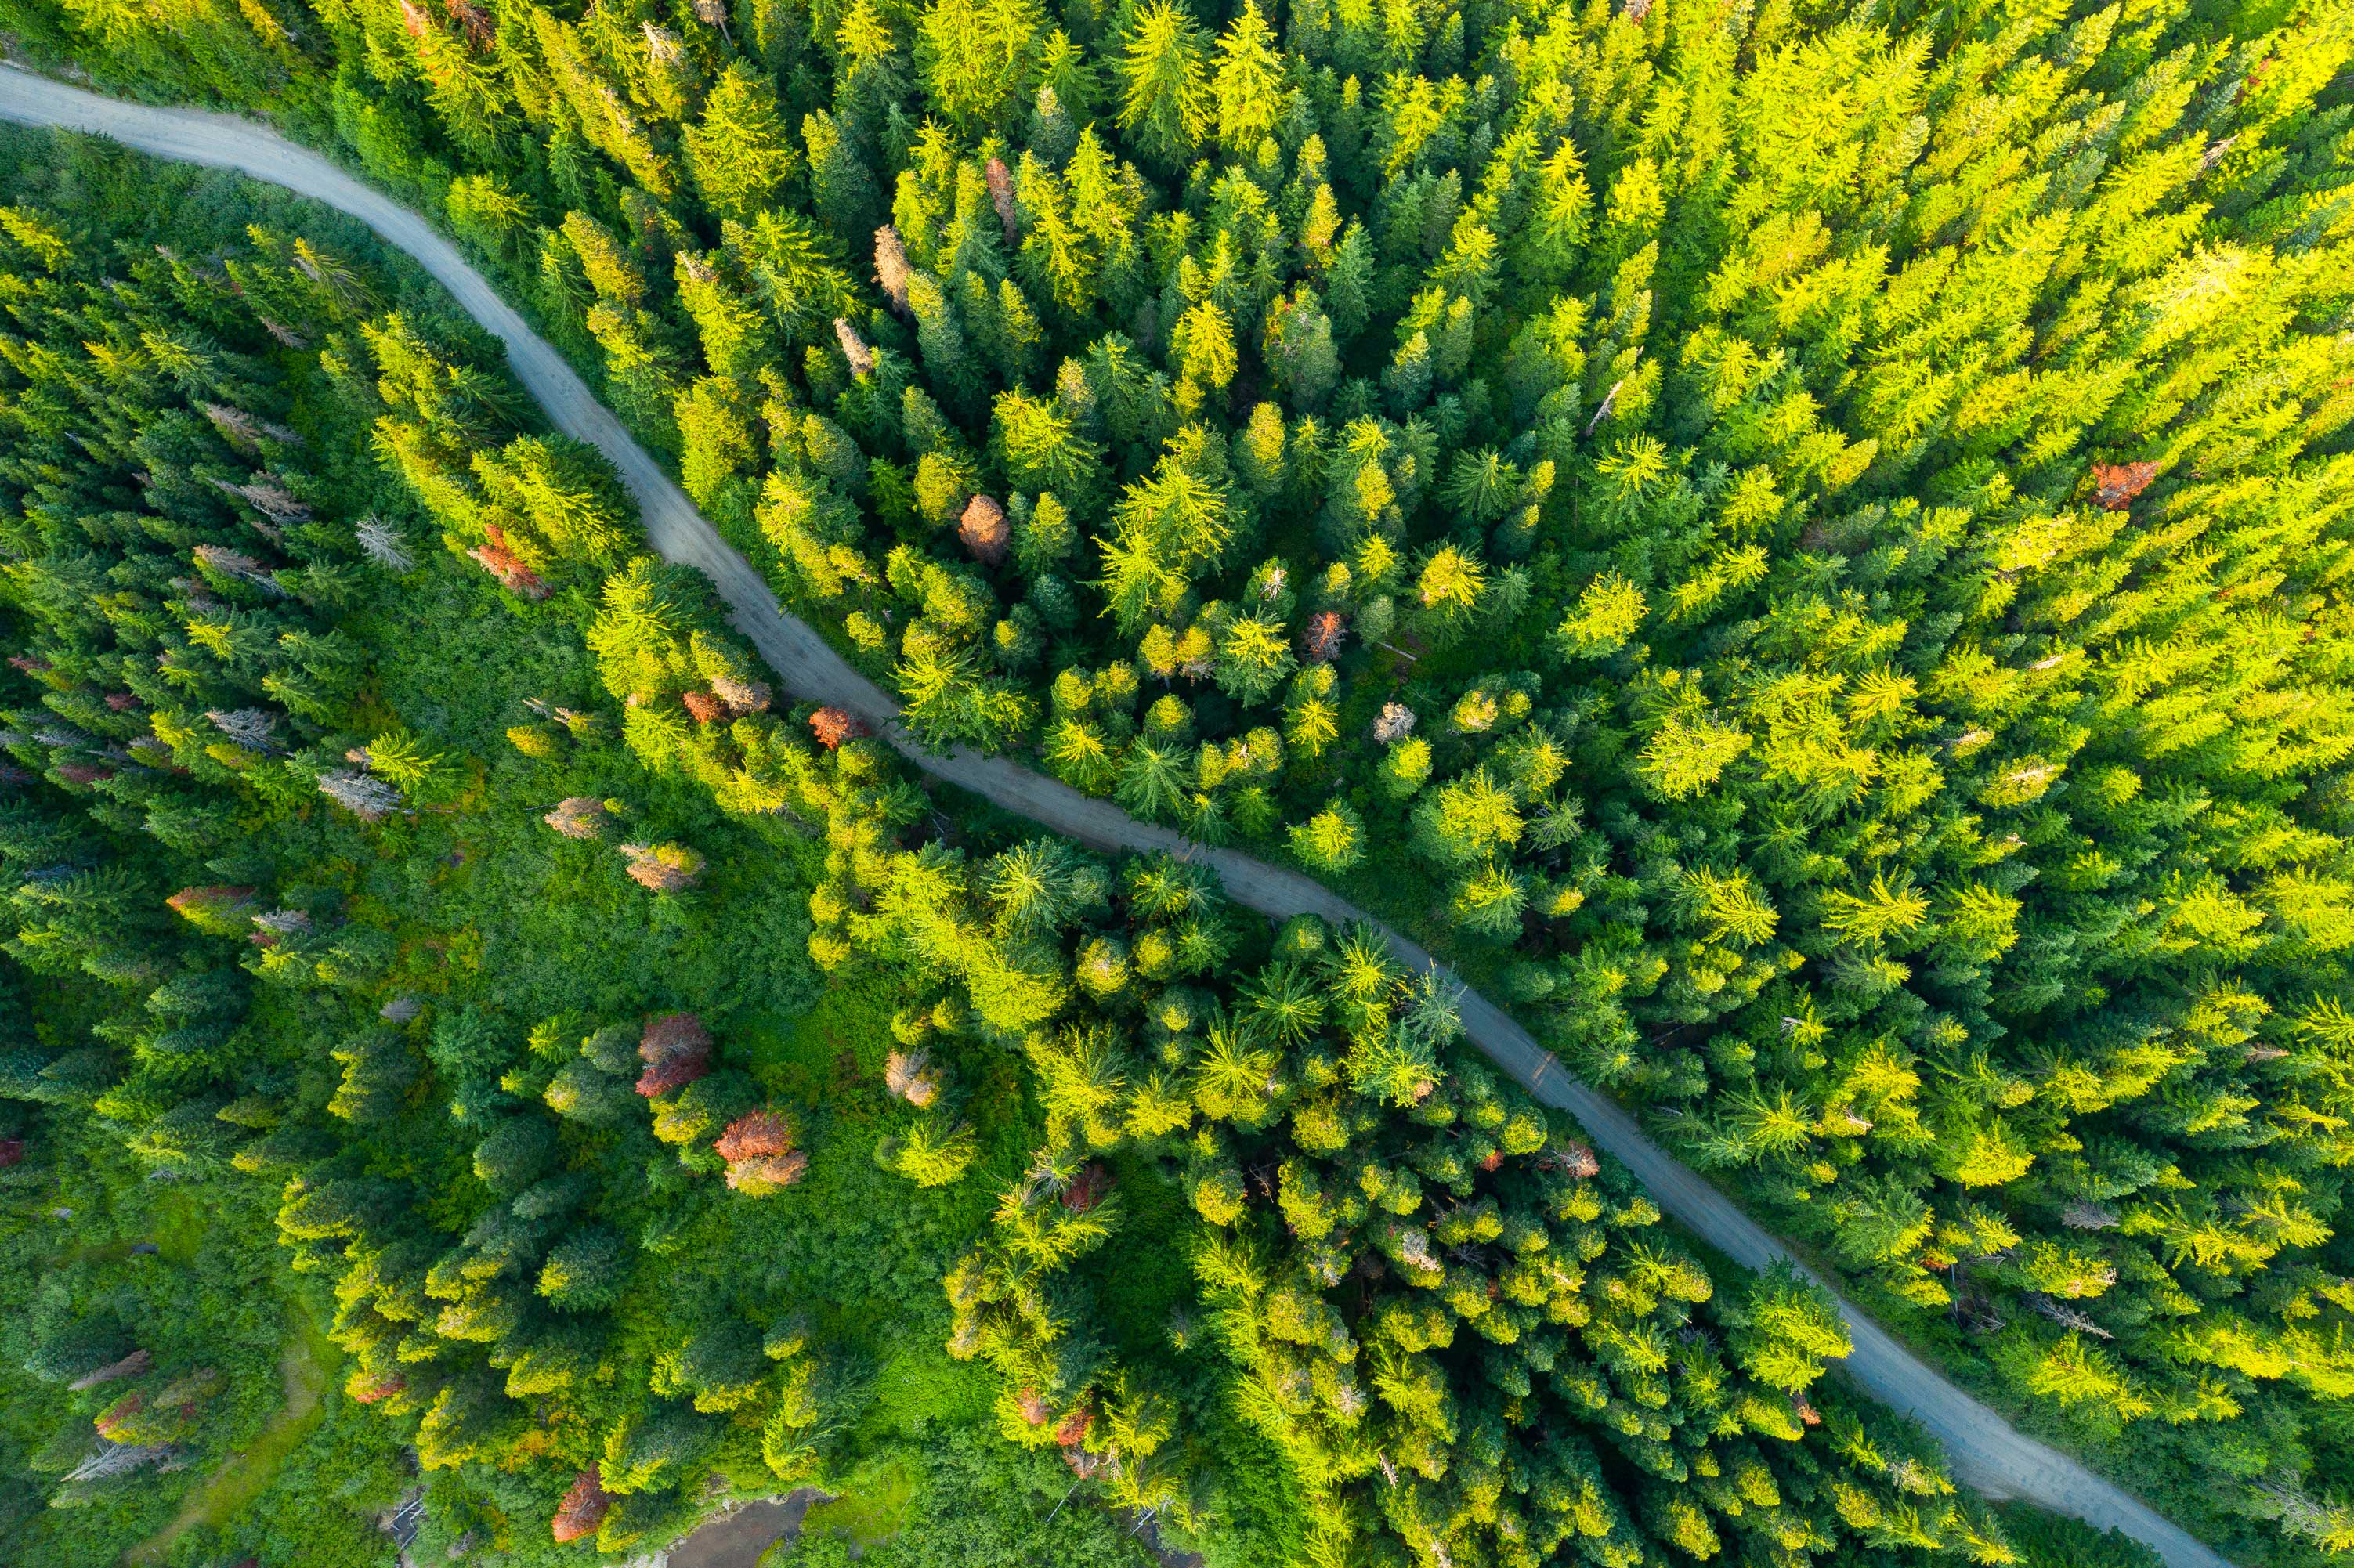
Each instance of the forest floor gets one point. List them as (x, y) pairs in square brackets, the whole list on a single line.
[(305, 1365)]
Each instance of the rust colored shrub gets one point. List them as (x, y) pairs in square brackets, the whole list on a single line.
[(583, 1507)]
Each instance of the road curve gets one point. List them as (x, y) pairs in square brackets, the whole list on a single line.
[(1984, 1450)]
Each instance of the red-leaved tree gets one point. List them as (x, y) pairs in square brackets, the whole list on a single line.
[(583, 1507), (676, 1049)]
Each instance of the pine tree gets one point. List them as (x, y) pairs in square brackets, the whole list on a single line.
[(739, 154), (979, 61), (1166, 99), (1248, 85), (586, 1271), (1332, 840)]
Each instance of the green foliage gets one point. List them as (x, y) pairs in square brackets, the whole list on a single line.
[(104, 1266), (974, 1503), (420, 1164), (1432, 1307), (2052, 1541), (1832, 521), (1841, 588)]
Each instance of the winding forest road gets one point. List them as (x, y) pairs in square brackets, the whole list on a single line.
[(1985, 1451)]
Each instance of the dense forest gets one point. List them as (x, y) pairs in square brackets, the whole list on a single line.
[(601, 1266), (579, 1261), (1812, 536), (321, 1003)]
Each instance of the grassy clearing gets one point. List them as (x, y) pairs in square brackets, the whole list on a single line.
[(918, 1387), (307, 1365), (875, 1504)]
